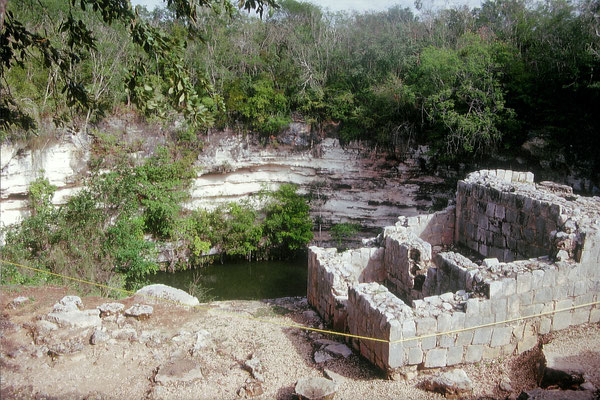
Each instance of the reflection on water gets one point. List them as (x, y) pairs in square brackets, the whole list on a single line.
[(243, 280)]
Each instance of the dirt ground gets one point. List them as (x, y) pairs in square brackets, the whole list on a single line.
[(162, 357)]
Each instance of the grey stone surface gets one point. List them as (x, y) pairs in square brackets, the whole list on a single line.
[(139, 311), (168, 293), (99, 336), (320, 357), (178, 371), (339, 349), (314, 388), (108, 309), (453, 384), (436, 358)]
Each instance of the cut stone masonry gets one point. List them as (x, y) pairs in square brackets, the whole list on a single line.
[(542, 245)]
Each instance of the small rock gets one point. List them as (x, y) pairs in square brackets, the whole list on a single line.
[(310, 315), (339, 349), (315, 388), (125, 334), (18, 301), (202, 341), (321, 357), (255, 367), (99, 336), (251, 389), (139, 311), (71, 300), (587, 386), (505, 385), (447, 297), (107, 309), (452, 384), (562, 255)]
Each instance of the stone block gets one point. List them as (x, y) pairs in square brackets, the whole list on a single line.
[(455, 355), (594, 315), (396, 355), (561, 320), (490, 353), (465, 338), (559, 292), (537, 278), (524, 282), (446, 340), (513, 306), (545, 325), (429, 342), (415, 356), (458, 321), (474, 354), (499, 306), (436, 358), (543, 295), (495, 290), (509, 286), (482, 336), (501, 336), (526, 298), (527, 343), (580, 316), (426, 326), (444, 322)]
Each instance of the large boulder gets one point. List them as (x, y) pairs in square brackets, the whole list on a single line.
[(452, 384), (171, 294)]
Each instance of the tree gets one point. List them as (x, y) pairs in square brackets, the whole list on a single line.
[(461, 96), (19, 43)]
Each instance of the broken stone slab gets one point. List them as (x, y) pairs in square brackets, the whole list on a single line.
[(320, 357), (311, 388), (171, 294), (76, 300), (139, 311), (108, 309), (560, 370), (178, 371), (74, 318), (541, 394), (66, 347), (452, 384), (339, 349)]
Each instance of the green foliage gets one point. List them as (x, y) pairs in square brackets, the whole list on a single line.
[(462, 96), (287, 226), (343, 231)]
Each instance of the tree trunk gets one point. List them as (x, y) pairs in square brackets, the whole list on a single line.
[(2, 12)]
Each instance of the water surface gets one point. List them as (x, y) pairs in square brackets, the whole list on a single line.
[(244, 280)]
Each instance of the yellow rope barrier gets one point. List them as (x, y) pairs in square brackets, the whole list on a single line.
[(302, 327)]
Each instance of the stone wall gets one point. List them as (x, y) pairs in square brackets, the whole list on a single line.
[(330, 274), (480, 306)]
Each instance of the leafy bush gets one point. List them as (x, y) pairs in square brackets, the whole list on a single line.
[(345, 230), (287, 225)]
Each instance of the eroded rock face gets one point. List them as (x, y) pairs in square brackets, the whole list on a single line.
[(452, 384)]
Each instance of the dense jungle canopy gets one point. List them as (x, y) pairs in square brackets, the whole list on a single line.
[(469, 82)]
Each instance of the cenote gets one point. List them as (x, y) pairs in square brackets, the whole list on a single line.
[(243, 280)]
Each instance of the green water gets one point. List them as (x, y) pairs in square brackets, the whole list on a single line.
[(244, 280)]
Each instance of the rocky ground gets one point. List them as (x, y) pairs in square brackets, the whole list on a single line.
[(225, 350)]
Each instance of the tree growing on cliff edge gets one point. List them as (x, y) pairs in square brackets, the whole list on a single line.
[(75, 40)]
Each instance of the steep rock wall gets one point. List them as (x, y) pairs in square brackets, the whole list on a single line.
[(345, 184)]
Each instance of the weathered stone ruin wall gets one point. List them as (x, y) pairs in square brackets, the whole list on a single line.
[(454, 293), (331, 274)]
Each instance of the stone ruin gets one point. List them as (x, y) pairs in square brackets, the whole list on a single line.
[(538, 247)]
